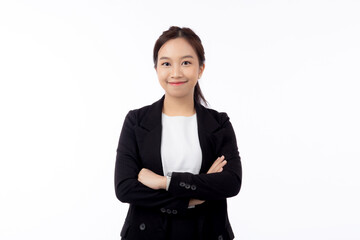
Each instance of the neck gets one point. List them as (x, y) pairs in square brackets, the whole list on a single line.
[(179, 106)]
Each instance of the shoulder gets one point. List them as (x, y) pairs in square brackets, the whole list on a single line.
[(147, 116), (137, 114), (219, 116), (140, 113)]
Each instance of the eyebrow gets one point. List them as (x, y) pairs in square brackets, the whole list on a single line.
[(186, 56)]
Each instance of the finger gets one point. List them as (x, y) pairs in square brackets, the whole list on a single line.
[(217, 163), (214, 168), (219, 167), (222, 164), (214, 164), (219, 159)]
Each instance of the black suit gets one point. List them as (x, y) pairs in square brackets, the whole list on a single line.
[(161, 214)]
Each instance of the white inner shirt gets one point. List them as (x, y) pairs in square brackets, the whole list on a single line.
[(180, 146)]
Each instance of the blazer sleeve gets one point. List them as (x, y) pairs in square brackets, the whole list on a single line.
[(213, 186), (127, 167)]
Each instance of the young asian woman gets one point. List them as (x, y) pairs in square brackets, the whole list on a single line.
[(177, 161)]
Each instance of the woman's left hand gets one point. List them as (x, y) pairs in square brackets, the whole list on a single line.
[(151, 179)]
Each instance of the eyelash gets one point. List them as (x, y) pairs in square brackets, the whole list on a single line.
[(164, 63)]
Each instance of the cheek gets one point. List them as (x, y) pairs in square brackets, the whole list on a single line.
[(192, 72), (162, 75)]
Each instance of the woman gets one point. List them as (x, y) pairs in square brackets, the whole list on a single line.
[(177, 161)]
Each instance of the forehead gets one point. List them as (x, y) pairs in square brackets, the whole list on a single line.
[(176, 48)]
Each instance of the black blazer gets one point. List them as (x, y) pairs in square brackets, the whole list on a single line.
[(152, 211)]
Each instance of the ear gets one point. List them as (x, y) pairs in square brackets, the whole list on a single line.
[(202, 68)]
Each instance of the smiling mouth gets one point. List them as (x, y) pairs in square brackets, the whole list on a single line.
[(177, 83)]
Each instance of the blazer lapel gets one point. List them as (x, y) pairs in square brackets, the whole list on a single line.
[(206, 126), (149, 136)]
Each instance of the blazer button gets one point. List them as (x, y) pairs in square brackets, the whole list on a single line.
[(163, 210), (193, 187), (142, 226), (220, 237), (168, 211), (174, 211), (182, 184), (187, 186)]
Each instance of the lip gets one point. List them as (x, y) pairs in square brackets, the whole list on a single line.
[(177, 83)]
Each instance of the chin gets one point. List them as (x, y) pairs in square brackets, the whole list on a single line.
[(177, 94)]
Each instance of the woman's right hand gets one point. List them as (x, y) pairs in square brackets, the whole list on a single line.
[(216, 167)]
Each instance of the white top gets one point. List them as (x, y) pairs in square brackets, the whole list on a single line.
[(180, 146)]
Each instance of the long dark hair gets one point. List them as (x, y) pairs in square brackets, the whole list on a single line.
[(194, 40)]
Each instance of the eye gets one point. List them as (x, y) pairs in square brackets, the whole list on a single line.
[(166, 64), (186, 63)]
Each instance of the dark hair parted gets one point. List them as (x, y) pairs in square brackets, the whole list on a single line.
[(194, 40)]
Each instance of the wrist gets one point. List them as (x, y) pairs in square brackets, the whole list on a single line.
[(163, 182)]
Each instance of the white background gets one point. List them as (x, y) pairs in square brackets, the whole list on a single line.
[(286, 72)]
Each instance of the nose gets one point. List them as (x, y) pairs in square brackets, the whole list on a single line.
[(176, 72)]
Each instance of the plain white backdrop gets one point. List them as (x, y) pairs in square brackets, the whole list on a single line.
[(285, 71)]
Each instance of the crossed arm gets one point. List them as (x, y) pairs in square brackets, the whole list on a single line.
[(142, 187), (157, 182)]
